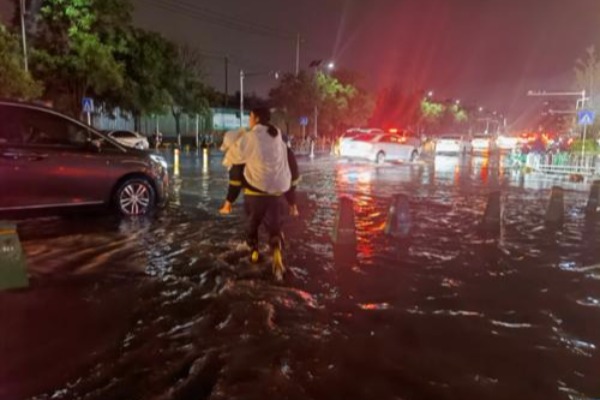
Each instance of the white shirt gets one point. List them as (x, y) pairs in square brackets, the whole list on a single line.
[(229, 139), (266, 161)]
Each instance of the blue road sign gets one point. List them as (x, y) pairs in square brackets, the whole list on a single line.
[(87, 103), (303, 121), (586, 117)]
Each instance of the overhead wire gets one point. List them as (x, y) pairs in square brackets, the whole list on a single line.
[(195, 12)]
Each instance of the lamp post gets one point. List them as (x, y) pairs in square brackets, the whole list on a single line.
[(24, 35), (177, 114)]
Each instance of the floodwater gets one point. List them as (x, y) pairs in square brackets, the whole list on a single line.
[(169, 307)]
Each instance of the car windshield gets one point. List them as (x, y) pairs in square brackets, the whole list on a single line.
[(123, 135), (365, 137)]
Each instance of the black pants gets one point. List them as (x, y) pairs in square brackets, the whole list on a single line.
[(236, 180), (264, 210)]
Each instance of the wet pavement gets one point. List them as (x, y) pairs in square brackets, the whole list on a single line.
[(169, 307)]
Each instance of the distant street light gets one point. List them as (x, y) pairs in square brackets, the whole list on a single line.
[(480, 109), (458, 102), (331, 66), (430, 94)]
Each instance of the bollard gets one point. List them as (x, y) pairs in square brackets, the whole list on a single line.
[(492, 218), (312, 149), (344, 232), (555, 214), (13, 267), (593, 204), (176, 163), (399, 220)]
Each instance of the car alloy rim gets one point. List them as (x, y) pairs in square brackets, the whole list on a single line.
[(135, 199)]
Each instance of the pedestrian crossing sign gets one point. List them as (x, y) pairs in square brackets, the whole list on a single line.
[(586, 117)]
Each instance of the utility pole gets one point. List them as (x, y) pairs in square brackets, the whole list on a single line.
[(242, 76), (23, 35), (226, 81), (297, 55)]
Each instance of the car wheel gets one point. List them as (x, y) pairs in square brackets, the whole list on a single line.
[(135, 197), (380, 159), (414, 155)]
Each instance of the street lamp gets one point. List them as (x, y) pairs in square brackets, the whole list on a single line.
[(480, 109), (430, 94), (331, 66), (458, 102)]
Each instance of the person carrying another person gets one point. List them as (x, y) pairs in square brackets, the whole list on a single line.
[(266, 178), (236, 175)]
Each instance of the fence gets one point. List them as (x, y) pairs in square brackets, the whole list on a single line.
[(559, 163)]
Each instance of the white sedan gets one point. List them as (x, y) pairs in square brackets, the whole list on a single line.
[(130, 139), (453, 144), (507, 143), (382, 147), (482, 144)]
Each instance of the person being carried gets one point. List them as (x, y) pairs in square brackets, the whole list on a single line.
[(236, 172)]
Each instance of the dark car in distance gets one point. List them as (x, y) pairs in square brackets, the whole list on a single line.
[(49, 160)]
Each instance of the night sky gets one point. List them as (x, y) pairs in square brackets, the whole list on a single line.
[(484, 52)]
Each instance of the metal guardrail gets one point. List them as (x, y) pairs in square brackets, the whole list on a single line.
[(559, 164)]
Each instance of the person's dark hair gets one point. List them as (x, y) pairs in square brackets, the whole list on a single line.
[(264, 118)]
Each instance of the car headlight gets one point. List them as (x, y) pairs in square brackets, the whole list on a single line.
[(159, 160)]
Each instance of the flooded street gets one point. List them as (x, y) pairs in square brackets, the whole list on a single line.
[(169, 307)]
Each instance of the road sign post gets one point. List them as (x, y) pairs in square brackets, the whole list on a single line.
[(87, 103), (303, 124), (585, 118)]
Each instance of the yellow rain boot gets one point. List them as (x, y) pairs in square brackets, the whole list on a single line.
[(255, 256), (278, 267)]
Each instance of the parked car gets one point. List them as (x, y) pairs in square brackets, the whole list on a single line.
[(482, 144), (453, 144), (48, 160), (130, 139), (382, 147), (507, 142)]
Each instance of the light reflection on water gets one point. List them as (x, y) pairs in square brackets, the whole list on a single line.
[(446, 315)]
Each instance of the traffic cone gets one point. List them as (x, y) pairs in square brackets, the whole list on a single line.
[(591, 210), (13, 266), (492, 218), (344, 232), (555, 214), (399, 221)]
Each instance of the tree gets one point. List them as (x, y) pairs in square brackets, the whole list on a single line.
[(146, 68), (340, 103), (14, 81), (187, 93), (74, 49)]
